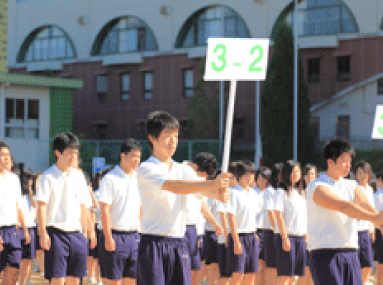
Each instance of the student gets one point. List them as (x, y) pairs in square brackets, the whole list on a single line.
[(262, 179), (28, 208), (242, 210), (378, 245), (62, 196), (334, 205), (269, 245), (366, 231), (10, 197), (205, 165), (163, 183), (120, 213), (309, 174), (291, 229)]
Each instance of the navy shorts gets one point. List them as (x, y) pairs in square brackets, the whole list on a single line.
[(335, 267), (92, 252), (378, 246), (365, 251), (269, 249), (121, 263), (223, 255), (201, 243), (67, 254), (260, 233), (192, 242), (248, 261), (38, 246), (11, 254), (29, 250), (99, 248), (211, 248), (293, 262), (163, 261)]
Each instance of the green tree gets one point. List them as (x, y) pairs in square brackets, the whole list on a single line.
[(277, 105), (204, 108)]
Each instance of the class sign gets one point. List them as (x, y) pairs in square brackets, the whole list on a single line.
[(236, 59)]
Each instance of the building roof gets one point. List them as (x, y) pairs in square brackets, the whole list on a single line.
[(345, 92), (19, 79)]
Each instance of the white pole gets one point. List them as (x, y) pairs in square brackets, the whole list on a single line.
[(296, 80), (258, 150), (229, 126), (221, 110)]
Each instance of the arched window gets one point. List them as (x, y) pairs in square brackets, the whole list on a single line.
[(319, 17), (123, 35), (213, 21), (46, 43)]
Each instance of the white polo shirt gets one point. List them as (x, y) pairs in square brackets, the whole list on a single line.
[(98, 213), (201, 225), (366, 225), (120, 191), (268, 204), (164, 212), (294, 209), (261, 213), (221, 208), (10, 194), (330, 229), (29, 212), (213, 207), (63, 193), (244, 205)]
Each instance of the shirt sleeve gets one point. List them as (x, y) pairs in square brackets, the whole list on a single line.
[(231, 205), (18, 191), (269, 200), (280, 197), (86, 198), (43, 190), (221, 208), (149, 177), (106, 191)]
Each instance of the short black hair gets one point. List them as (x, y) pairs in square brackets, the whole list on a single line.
[(287, 169), (265, 172), (26, 175), (242, 167), (158, 121), (365, 166), (335, 148), (231, 167), (65, 140), (206, 162), (130, 144), (275, 179), (3, 144)]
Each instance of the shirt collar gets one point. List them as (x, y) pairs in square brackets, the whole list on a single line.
[(122, 173), (157, 161), (60, 173), (330, 180)]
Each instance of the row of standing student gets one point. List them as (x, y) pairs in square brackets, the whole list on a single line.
[(165, 251)]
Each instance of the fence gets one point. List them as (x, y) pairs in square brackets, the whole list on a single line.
[(110, 149)]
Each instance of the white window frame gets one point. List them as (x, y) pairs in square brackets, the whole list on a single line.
[(25, 124)]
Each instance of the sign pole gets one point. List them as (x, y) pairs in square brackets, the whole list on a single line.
[(229, 126)]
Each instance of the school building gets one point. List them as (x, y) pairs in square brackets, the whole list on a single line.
[(138, 56)]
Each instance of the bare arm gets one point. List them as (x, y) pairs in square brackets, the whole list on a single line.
[(271, 218), (41, 217), (189, 187), (206, 213), (324, 198), (84, 219), (362, 201), (105, 218), (234, 234), (281, 224)]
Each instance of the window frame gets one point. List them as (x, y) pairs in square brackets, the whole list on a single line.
[(102, 96), (145, 91), (313, 77), (343, 120), (342, 75), (187, 88), (122, 91), (380, 87), (23, 125)]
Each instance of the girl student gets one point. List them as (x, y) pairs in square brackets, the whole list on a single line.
[(291, 232), (242, 209), (378, 245), (269, 246), (28, 208), (309, 174), (366, 231)]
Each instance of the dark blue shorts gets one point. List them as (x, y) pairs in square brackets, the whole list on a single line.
[(335, 267), (223, 255), (93, 252), (260, 233), (11, 254), (163, 261), (191, 238), (378, 246), (293, 262), (121, 263), (38, 246), (29, 250), (211, 247), (67, 254), (248, 261), (269, 249), (365, 251)]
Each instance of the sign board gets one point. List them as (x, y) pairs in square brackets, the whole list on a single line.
[(98, 164), (377, 131), (236, 59)]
